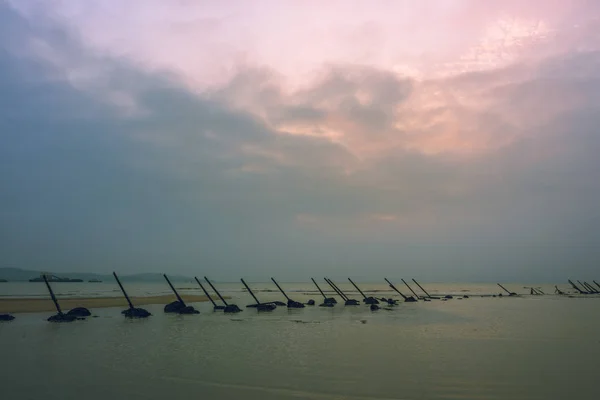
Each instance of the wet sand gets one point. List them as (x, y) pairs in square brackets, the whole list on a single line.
[(25, 305)]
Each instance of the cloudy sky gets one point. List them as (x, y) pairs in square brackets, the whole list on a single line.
[(441, 139)]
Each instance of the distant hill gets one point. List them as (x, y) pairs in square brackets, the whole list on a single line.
[(24, 275)]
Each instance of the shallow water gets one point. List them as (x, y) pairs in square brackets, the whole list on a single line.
[(544, 347)]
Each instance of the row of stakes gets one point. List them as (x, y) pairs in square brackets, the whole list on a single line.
[(180, 307)]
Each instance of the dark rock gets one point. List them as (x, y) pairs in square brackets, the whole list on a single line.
[(174, 307), (370, 300), (311, 302), (6, 317), (294, 304), (231, 309), (448, 296), (60, 317), (178, 307), (352, 302), (326, 305), (410, 299), (187, 310), (79, 312), (136, 313), (266, 307), (374, 307)]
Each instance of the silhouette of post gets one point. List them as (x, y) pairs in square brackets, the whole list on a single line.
[(421, 287), (206, 293), (250, 291), (320, 291), (52, 295), (409, 288), (280, 289), (583, 286), (576, 287), (395, 289), (506, 290), (359, 291), (215, 290), (335, 289), (175, 291), (123, 290), (590, 287), (338, 289)]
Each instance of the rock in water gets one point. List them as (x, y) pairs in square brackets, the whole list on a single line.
[(231, 309), (266, 307), (294, 304), (6, 317), (174, 307), (188, 310), (311, 302), (371, 300), (60, 317), (135, 313), (80, 312)]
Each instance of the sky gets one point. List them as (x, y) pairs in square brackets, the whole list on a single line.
[(447, 140)]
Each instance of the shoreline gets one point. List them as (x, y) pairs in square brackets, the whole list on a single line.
[(29, 305)]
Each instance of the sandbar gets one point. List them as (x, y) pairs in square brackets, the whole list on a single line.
[(25, 305)]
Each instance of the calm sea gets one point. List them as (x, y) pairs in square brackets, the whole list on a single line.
[(545, 347)]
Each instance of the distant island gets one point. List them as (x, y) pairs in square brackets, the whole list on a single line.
[(54, 278), (24, 275)]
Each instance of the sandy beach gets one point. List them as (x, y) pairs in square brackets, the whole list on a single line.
[(22, 305)]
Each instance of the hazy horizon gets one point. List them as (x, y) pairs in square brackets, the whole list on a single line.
[(446, 140)]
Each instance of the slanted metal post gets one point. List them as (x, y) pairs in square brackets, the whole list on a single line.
[(123, 290), (206, 293), (215, 290), (52, 295), (175, 291), (360, 291)]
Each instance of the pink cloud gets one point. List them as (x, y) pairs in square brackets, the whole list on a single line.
[(433, 77)]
